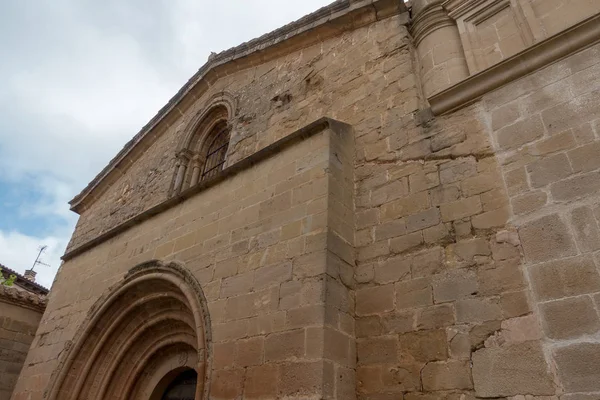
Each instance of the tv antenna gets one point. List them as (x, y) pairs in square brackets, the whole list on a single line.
[(37, 259)]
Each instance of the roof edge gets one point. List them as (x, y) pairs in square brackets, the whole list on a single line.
[(328, 15)]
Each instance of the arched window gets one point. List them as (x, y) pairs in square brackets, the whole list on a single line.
[(204, 150), (213, 154)]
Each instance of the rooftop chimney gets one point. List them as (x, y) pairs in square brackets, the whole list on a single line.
[(30, 275)]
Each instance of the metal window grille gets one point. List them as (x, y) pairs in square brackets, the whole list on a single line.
[(215, 153)]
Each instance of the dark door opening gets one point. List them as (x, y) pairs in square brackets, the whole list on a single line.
[(183, 387)]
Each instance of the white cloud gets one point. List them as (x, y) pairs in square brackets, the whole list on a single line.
[(20, 251), (84, 77)]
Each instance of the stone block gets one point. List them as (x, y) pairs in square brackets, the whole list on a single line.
[(284, 346), (227, 384), (454, 285), (392, 270), (375, 300), (424, 346), (477, 310), (569, 318), (479, 333), (511, 371), (436, 317), (491, 219), (577, 366), (559, 142), (423, 180), (369, 326), (514, 304), (585, 229), (406, 242), (410, 294), (458, 170), (305, 316), (237, 285), (505, 115), (506, 276), (399, 322), (519, 330), (585, 158), (249, 352), (529, 202), (479, 184), (516, 181), (520, 133), (367, 218), (306, 379), (423, 220), (576, 187), (406, 206), (377, 350), (261, 381), (564, 278), (223, 355), (428, 263), (448, 375), (467, 250), (444, 194), (548, 170), (436, 234), (546, 238), (390, 229), (461, 209)]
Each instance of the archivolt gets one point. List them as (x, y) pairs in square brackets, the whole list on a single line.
[(222, 104), (152, 323)]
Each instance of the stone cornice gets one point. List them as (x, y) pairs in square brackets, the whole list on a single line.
[(314, 128), (327, 22), (561, 45), (431, 18), (458, 8), (22, 298)]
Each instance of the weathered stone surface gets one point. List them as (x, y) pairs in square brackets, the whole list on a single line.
[(424, 345), (446, 376), (546, 238), (570, 318), (578, 366), (563, 278), (513, 370)]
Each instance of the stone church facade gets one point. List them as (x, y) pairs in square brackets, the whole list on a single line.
[(378, 201)]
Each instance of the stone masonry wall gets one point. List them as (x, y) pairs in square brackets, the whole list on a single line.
[(359, 76), (271, 247), (17, 330), (475, 267), (547, 137)]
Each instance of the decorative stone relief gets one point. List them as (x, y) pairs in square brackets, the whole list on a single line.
[(493, 30)]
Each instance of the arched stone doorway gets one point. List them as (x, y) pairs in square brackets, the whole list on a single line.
[(139, 338), (180, 385)]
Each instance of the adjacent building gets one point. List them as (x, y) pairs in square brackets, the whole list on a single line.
[(21, 307)]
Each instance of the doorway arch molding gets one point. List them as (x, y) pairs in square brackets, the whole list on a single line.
[(156, 314)]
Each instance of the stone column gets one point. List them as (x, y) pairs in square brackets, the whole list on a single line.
[(181, 169), (439, 48), (196, 166)]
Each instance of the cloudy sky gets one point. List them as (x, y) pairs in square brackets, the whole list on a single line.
[(79, 79)]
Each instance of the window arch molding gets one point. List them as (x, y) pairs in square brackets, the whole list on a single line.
[(199, 134)]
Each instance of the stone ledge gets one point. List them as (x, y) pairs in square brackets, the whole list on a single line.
[(22, 298), (327, 22), (314, 128), (553, 49)]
